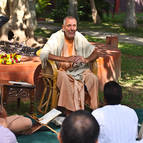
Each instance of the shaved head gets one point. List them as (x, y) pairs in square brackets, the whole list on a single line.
[(80, 127)]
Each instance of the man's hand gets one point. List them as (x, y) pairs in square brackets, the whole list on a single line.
[(70, 59), (80, 59)]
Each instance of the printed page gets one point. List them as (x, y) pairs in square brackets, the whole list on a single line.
[(49, 116)]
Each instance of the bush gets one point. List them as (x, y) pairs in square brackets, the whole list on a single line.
[(59, 10)]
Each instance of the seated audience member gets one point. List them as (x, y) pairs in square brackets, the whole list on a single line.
[(118, 123), (6, 136), (79, 127), (73, 55), (16, 123)]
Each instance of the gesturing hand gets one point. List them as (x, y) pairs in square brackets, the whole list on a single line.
[(76, 59), (79, 59), (70, 59)]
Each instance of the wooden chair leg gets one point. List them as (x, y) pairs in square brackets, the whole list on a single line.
[(5, 91)]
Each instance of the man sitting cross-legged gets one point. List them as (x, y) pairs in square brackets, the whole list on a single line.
[(18, 124), (118, 123)]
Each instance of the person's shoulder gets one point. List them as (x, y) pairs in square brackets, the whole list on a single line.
[(7, 135), (80, 37), (77, 33), (129, 109), (4, 130), (99, 114), (98, 110), (57, 33), (126, 107)]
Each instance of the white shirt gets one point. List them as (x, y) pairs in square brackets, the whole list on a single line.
[(6, 136), (118, 124)]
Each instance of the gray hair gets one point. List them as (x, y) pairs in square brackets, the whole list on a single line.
[(68, 17)]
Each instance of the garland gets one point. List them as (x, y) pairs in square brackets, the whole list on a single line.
[(9, 59)]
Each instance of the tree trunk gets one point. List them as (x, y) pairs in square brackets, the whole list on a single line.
[(72, 10), (130, 20), (3, 4), (95, 16), (21, 21)]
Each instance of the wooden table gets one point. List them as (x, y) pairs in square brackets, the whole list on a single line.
[(6, 86), (27, 70)]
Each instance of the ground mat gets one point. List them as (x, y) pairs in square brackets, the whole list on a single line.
[(46, 136)]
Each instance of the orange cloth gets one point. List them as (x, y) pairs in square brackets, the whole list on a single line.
[(69, 44), (18, 123), (68, 50), (72, 93)]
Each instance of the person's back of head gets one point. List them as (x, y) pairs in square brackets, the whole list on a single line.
[(79, 127), (112, 93)]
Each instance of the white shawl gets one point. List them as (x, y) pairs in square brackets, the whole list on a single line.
[(55, 44)]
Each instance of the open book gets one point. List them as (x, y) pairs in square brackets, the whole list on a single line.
[(44, 120), (49, 116)]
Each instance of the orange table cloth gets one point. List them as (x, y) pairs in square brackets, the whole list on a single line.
[(26, 70)]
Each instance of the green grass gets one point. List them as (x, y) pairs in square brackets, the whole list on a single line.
[(12, 107), (24, 107), (43, 33), (132, 74), (94, 39)]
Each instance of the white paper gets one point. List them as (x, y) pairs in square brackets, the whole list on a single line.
[(49, 116), (18, 82)]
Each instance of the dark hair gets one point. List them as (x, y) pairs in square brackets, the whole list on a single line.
[(79, 127), (112, 93)]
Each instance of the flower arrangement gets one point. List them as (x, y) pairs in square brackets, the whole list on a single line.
[(9, 59)]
